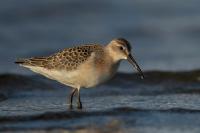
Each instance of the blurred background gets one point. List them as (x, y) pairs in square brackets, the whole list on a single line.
[(165, 35)]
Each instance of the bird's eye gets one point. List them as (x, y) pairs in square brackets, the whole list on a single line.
[(121, 48)]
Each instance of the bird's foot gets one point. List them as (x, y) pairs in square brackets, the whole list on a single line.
[(79, 105), (70, 106)]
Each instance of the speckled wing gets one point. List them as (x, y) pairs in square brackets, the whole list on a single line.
[(68, 59)]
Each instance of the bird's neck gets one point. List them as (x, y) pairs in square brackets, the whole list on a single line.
[(112, 55)]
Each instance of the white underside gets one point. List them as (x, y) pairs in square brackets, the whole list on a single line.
[(64, 77), (77, 78)]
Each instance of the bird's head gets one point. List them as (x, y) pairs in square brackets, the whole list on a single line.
[(120, 49)]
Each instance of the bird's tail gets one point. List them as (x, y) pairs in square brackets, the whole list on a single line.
[(20, 61), (35, 61)]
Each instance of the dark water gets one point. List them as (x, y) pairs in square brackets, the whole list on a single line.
[(164, 34), (163, 102)]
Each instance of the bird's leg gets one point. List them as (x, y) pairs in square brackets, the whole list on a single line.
[(79, 100), (71, 97)]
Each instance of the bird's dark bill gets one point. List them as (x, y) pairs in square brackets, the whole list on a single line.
[(134, 63)]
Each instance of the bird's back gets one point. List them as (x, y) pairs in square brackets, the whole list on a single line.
[(67, 59)]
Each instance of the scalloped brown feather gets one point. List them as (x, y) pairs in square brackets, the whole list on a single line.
[(68, 59)]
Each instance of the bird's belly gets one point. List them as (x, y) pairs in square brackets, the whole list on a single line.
[(98, 76), (87, 78), (91, 77), (82, 77), (96, 79), (78, 78)]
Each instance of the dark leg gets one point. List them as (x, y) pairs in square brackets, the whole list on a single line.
[(71, 97), (79, 100)]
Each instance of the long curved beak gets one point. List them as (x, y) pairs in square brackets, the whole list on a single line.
[(134, 63)]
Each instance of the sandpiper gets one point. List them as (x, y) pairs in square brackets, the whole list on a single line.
[(83, 66)]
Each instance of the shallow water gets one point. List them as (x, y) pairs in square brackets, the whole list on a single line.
[(163, 102)]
